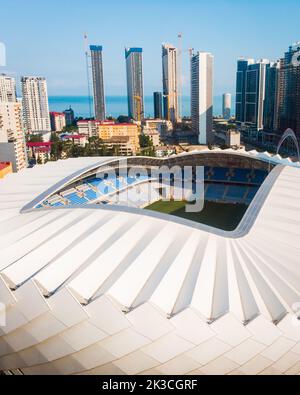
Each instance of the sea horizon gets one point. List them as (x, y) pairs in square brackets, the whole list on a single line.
[(117, 105)]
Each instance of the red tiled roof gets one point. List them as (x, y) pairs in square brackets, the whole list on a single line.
[(39, 144), (57, 113), (104, 123), (3, 165), (89, 120)]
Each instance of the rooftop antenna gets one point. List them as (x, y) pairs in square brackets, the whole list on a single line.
[(86, 50)]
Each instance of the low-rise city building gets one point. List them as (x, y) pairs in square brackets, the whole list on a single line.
[(164, 150), (12, 139), (88, 127), (78, 139), (39, 151), (109, 130), (120, 145), (58, 121), (233, 138), (163, 126), (153, 135)]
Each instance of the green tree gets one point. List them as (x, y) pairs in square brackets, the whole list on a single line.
[(95, 147), (145, 141), (146, 145), (56, 147), (70, 129), (35, 138), (123, 119), (76, 151)]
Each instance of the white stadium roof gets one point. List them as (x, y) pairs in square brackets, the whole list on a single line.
[(109, 289)]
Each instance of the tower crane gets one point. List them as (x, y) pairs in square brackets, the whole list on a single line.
[(181, 51), (86, 51), (138, 100), (179, 75)]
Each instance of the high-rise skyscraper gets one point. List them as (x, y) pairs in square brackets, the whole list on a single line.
[(271, 104), (35, 106), (170, 84), (7, 89), (157, 99), (226, 105), (255, 93), (289, 90), (69, 115), (250, 91), (135, 90), (242, 67), (202, 96), (98, 85)]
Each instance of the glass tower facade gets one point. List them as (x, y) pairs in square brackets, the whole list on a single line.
[(289, 94), (69, 115), (170, 85), (250, 92), (202, 96), (157, 98), (242, 66), (98, 85), (271, 98), (135, 91)]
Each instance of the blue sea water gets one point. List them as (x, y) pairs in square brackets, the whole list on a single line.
[(116, 105)]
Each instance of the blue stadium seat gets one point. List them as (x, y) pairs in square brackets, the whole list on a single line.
[(57, 204), (215, 191), (240, 175), (101, 185), (207, 173), (251, 193), (219, 174), (235, 193), (95, 182), (75, 199), (133, 180), (91, 194), (259, 177), (130, 180), (105, 188), (118, 184)]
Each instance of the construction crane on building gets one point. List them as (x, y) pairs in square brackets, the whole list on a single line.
[(87, 55), (181, 51), (179, 75), (138, 101)]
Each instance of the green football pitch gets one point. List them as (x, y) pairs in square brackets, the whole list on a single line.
[(224, 216)]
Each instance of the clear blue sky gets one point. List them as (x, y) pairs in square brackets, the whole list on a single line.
[(45, 37)]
